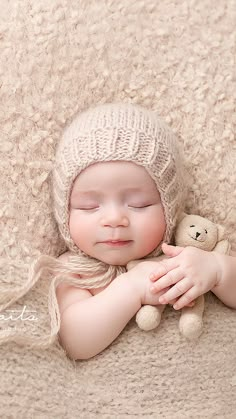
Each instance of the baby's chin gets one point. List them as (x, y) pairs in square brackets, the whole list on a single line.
[(119, 257), (119, 260), (115, 261), (114, 258)]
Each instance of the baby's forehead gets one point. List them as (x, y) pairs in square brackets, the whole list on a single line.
[(114, 175)]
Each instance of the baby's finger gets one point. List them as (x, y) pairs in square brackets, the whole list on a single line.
[(178, 289), (190, 304), (172, 302), (186, 299), (163, 267), (171, 251), (171, 278)]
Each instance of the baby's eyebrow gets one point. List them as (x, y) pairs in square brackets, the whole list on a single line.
[(87, 192), (97, 192)]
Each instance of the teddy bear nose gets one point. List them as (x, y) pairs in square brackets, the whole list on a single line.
[(197, 234)]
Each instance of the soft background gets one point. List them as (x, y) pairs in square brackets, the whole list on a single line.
[(57, 58)]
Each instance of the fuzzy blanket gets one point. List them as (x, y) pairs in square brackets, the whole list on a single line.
[(59, 57)]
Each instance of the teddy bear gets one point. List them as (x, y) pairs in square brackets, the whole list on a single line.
[(197, 231)]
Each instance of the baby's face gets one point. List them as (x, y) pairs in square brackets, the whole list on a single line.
[(116, 213)]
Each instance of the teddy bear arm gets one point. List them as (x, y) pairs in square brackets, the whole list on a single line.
[(190, 323), (223, 247)]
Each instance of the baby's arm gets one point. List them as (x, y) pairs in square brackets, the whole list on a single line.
[(90, 323)]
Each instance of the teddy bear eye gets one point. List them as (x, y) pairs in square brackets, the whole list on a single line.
[(206, 231), (192, 225)]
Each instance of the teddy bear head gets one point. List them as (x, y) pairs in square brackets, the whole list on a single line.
[(197, 231)]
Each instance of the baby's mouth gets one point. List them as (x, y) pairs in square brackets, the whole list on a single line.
[(117, 242)]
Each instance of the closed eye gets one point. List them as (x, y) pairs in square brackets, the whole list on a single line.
[(88, 209), (140, 207)]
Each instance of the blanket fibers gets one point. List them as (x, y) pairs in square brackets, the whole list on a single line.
[(59, 57)]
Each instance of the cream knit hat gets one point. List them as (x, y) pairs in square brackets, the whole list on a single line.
[(118, 132)]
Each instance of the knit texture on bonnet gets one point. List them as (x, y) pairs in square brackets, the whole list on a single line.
[(118, 132), (104, 133)]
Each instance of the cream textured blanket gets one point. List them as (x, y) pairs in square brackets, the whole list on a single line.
[(57, 58)]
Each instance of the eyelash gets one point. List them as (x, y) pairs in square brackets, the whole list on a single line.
[(129, 206), (88, 209), (143, 206)]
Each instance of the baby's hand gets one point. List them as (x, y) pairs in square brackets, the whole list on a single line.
[(139, 277), (188, 273)]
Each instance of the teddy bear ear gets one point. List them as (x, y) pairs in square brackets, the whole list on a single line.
[(182, 216), (221, 231)]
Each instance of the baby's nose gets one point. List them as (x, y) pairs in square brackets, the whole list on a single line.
[(115, 217)]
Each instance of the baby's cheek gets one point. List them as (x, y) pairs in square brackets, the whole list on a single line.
[(72, 223), (78, 230), (156, 234)]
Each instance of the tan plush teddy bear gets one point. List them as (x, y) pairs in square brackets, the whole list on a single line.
[(196, 231)]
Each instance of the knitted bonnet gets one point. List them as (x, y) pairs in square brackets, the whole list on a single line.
[(118, 132)]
